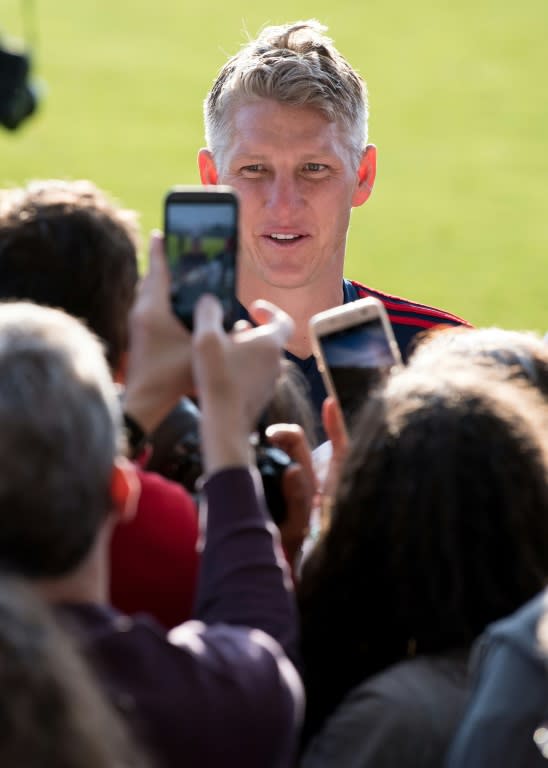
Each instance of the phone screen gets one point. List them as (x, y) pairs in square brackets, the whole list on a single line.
[(358, 358), (201, 247)]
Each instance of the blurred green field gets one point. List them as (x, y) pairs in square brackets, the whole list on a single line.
[(459, 112)]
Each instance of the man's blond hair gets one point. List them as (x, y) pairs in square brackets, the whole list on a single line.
[(293, 64)]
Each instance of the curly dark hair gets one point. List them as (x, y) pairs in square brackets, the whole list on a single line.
[(440, 526), (63, 244)]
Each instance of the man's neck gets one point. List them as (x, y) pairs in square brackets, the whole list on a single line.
[(300, 305), (88, 582)]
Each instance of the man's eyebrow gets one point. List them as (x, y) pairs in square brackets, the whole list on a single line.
[(247, 155)]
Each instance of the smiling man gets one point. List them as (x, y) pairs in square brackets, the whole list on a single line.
[(286, 126)]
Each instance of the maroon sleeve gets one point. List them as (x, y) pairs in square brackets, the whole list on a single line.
[(244, 578)]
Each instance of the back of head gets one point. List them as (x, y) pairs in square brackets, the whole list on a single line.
[(294, 64), (505, 354), (65, 245), (441, 518), (60, 424), (51, 713)]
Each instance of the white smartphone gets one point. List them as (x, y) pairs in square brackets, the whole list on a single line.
[(355, 348)]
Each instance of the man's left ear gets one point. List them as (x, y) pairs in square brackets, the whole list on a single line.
[(125, 489), (366, 175)]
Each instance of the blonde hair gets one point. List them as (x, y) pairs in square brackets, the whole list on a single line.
[(294, 64)]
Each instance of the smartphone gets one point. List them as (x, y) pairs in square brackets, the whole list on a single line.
[(201, 244), (355, 348)]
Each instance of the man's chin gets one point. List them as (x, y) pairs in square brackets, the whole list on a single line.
[(286, 279)]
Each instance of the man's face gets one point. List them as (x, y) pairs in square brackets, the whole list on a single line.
[(297, 183)]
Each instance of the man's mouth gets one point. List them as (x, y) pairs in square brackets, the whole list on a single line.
[(284, 237)]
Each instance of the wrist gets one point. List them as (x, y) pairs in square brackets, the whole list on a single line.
[(144, 409), (224, 444)]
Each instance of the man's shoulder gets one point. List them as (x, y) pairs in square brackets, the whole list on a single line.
[(408, 318), (406, 312)]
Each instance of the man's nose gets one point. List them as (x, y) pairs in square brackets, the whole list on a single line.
[(285, 194)]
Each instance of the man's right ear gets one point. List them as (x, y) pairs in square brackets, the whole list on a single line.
[(208, 169), (125, 489)]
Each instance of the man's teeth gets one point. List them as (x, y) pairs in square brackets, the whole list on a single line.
[(279, 236)]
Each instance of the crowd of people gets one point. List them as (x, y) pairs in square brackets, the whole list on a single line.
[(148, 622)]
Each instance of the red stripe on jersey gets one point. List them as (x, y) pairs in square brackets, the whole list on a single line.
[(418, 321), (407, 306)]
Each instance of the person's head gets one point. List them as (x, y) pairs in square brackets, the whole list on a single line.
[(506, 354), (290, 403), (51, 711), (60, 437), (440, 523), (64, 244), (286, 125)]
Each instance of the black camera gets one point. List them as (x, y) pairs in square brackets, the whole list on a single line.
[(272, 463), (176, 455), (18, 95)]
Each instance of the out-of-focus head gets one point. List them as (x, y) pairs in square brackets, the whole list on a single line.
[(295, 64), (502, 353), (61, 431), (290, 403), (441, 518), (65, 245), (51, 712)]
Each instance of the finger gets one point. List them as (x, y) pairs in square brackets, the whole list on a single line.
[(333, 423), (264, 313), (292, 439), (208, 316), (283, 433), (298, 500), (241, 325), (154, 286), (157, 267)]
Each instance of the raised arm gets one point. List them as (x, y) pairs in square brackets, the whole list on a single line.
[(244, 579)]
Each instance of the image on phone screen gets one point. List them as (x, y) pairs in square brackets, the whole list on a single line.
[(201, 244), (358, 358)]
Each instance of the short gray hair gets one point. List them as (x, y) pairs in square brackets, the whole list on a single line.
[(293, 64), (60, 431)]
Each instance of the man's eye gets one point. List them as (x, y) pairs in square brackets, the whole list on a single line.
[(315, 167), (253, 169)]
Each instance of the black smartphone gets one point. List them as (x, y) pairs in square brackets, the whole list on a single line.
[(355, 348), (201, 244)]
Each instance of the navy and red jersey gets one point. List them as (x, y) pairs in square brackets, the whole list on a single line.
[(407, 318)]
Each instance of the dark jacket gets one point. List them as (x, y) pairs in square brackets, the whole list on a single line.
[(404, 716), (506, 723)]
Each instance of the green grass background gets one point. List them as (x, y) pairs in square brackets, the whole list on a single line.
[(459, 112)]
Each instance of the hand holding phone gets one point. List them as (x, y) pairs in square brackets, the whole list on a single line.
[(201, 244), (355, 348)]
